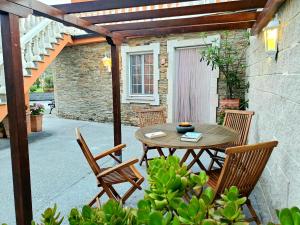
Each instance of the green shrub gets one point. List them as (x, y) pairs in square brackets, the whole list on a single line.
[(174, 197), (288, 216), (48, 82)]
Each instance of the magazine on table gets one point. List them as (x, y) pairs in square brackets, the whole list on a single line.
[(191, 137), (156, 134)]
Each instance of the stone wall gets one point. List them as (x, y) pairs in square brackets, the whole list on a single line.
[(274, 95), (83, 85)]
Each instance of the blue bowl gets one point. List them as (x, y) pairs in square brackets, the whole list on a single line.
[(183, 130)]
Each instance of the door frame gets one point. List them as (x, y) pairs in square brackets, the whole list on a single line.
[(172, 45)]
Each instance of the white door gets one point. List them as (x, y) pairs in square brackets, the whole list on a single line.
[(191, 87)]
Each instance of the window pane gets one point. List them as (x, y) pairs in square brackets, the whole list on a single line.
[(148, 74), (136, 74), (141, 72), (148, 58)]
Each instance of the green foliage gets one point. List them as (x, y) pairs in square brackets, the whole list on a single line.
[(36, 86), (50, 217), (230, 59), (37, 109), (175, 197), (110, 213), (288, 216), (48, 82)]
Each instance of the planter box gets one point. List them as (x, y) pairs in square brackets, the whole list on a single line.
[(6, 125), (36, 123), (228, 103)]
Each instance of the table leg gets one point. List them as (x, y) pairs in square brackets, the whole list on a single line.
[(185, 157), (197, 160)]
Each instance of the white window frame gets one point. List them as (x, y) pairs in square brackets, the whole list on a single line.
[(171, 48), (126, 51)]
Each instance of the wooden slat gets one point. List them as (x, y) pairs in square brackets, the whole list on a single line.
[(17, 117), (99, 5), (115, 71), (14, 9), (224, 18), (266, 15), (179, 11), (41, 9), (186, 29)]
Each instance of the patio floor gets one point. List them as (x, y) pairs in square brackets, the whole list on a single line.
[(59, 171)]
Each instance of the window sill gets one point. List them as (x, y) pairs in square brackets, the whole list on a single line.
[(147, 99)]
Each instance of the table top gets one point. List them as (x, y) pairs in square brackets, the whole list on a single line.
[(212, 135)]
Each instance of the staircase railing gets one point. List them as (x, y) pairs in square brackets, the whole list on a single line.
[(37, 37)]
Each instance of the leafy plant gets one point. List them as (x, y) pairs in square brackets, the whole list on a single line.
[(50, 217), (175, 197), (230, 59), (37, 109), (288, 216), (48, 82)]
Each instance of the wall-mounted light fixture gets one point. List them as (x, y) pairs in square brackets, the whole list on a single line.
[(271, 38), (107, 63)]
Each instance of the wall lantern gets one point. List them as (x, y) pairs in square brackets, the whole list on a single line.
[(107, 63), (271, 38)]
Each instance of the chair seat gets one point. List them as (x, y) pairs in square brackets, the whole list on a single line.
[(116, 178), (213, 177)]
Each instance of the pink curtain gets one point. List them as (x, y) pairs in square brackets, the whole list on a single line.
[(191, 100)]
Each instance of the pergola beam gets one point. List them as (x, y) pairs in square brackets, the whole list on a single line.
[(17, 117), (212, 19), (100, 5), (266, 15), (178, 11), (186, 29), (40, 9)]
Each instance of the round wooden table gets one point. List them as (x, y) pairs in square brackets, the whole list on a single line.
[(212, 135)]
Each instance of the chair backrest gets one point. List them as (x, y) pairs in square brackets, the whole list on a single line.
[(87, 153), (152, 116), (239, 121), (243, 166)]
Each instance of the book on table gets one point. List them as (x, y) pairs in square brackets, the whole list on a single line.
[(155, 134), (191, 137)]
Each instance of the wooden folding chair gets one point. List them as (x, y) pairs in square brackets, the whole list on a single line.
[(107, 177), (242, 168), (149, 117), (239, 121)]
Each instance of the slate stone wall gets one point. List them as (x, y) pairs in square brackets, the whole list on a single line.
[(274, 95), (83, 85)]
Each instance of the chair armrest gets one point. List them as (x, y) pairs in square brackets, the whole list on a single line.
[(118, 167), (110, 151)]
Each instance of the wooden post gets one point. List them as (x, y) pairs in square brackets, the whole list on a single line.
[(17, 117), (115, 70)]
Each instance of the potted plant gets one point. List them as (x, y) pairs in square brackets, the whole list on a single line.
[(36, 117), (230, 59), (48, 84)]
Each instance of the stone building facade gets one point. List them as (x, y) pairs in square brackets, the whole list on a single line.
[(83, 85), (274, 95)]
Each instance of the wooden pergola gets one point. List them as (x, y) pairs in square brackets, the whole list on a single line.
[(238, 14)]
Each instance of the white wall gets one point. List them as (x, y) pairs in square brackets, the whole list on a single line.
[(274, 95)]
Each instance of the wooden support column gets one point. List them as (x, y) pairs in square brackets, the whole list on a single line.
[(115, 70), (17, 117)]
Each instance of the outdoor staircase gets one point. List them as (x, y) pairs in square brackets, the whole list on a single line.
[(41, 41)]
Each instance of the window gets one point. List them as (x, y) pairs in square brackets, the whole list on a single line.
[(140, 74)]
